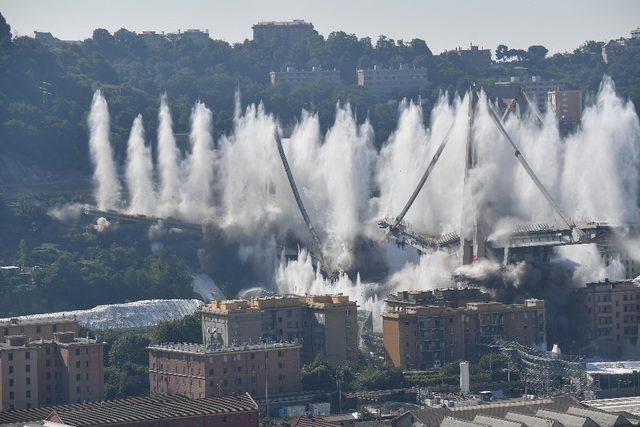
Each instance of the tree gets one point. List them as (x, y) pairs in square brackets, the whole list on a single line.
[(129, 349), (125, 381), (317, 375), (537, 53), (501, 52), (187, 329), (379, 378)]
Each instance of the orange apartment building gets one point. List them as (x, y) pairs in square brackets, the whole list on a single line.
[(198, 371), (326, 325), (429, 335), (37, 329), (612, 310), (64, 369)]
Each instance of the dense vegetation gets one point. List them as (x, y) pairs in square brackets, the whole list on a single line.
[(126, 358), (51, 130), (80, 268)]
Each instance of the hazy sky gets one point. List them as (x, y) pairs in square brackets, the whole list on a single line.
[(559, 25)]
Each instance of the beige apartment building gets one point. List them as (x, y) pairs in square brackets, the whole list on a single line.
[(381, 81), (425, 336), (327, 325), (37, 329), (40, 372), (198, 371)]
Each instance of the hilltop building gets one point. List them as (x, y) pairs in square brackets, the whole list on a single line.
[(382, 81), (64, 369), (198, 37), (154, 411), (612, 313), (422, 332), (283, 33), (294, 77), (197, 370), (327, 325), (52, 42), (474, 58), (622, 46)]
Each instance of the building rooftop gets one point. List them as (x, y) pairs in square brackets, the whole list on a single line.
[(283, 23), (630, 405), (557, 411), (610, 285), (274, 301), (131, 410), (614, 368), (204, 349), (36, 321)]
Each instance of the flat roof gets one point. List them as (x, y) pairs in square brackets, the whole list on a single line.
[(614, 368), (133, 409), (209, 349)]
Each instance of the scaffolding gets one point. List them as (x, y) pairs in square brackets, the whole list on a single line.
[(547, 374)]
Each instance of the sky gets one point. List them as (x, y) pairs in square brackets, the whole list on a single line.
[(559, 25)]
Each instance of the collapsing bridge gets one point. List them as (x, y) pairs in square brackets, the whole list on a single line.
[(534, 241)]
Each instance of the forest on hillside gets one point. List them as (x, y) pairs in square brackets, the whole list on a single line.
[(50, 131)]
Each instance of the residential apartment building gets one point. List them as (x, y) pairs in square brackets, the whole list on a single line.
[(474, 58), (148, 411), (196, 36), (613, 314), (327, 325), (65, 369), (287, 33), (37, 329), (536, 88), (566, 104), (197, 370), (383, 81), (422, 336), (294, 77)]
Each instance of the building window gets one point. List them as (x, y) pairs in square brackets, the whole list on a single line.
[(10, 382), (86, 364), (48, 375), (78, 390), (11, 395), (47, 350), (10, 356), (77, 352), (54, 328), (47, 363), (78, 364), (77, 377), (27, 355), (28, 394), (27, 368), (27, 381), (86, 350), (38, 329)]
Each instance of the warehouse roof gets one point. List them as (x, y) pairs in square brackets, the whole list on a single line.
[(134, 409)]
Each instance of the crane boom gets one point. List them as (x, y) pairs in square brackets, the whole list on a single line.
[(296, 195), (423, 180)]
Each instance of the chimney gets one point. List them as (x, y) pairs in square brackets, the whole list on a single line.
[(465, 387)]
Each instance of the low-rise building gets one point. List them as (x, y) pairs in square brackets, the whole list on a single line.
[(474, 57), (39, 372), (156, 411), (612, 309), (382, 81), (327, 325), (294, 77), (286, 33), (427, 335), (197, 370)]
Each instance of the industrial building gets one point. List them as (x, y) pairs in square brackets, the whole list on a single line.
[(428, 334), (383, 81), (611, 309), (198, 371), (327, 325), (474, 57), (294, 77), (615, 379), (155, 411), (64, 369), (560, 411), (282, 33)]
